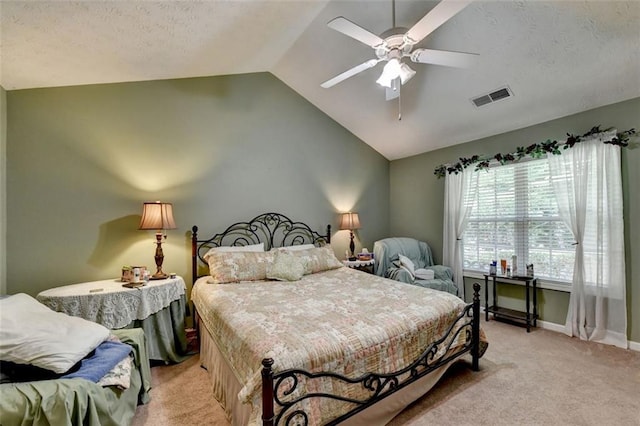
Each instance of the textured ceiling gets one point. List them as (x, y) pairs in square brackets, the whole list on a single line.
[(558, 57)]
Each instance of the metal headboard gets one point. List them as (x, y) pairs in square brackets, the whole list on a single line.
[(272, 229)]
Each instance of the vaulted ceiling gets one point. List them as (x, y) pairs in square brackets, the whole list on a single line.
[(557, 57)]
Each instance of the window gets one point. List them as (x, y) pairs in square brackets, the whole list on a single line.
[(515, 212)]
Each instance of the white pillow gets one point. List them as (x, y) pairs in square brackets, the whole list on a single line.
[(407, 264), (425, 274), (31, 333), (252, 248), (296, 248)]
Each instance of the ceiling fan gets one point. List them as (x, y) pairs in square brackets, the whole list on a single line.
[(394, 45)]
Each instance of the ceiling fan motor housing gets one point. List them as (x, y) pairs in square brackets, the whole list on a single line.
[(393, 41)]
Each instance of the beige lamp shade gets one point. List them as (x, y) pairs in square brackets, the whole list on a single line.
[(350, 221), (157, 216)]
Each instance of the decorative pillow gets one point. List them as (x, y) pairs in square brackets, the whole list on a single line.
[(31, 333), (286, 267), (407, 264), (318, 259), (253, 248), (236, 266)]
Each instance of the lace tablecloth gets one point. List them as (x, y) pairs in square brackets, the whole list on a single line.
[(108, 303)]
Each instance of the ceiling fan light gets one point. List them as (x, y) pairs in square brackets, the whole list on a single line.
[(390, 72), (406, 73), (384, 81)]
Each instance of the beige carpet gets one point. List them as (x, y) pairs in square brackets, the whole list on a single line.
[(540, 378)]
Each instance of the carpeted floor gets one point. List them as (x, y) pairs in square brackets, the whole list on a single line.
[(540, 378)]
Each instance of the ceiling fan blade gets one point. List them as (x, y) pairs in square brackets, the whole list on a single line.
[(440, 14), (350, 73), (444, 57), (347, 27), (393, 92)]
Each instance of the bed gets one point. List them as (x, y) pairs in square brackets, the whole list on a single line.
[(325, 346), (33, 395)]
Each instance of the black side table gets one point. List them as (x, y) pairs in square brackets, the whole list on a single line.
[(526, 317)]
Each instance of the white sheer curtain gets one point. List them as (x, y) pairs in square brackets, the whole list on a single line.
[(459, 191), (588, 186)]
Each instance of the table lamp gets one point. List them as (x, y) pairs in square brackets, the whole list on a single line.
[(159, 217), (350, 221)]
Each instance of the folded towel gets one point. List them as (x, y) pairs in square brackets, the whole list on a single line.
[(424, 274), (106, 356)]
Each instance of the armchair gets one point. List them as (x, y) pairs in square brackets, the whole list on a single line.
[(410, 261)]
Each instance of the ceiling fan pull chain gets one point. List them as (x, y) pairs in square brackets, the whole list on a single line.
[(399, 104)]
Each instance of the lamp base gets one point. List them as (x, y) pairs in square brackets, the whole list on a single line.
[(159, 277)]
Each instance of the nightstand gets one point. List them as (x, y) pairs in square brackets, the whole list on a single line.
[(361, 265)]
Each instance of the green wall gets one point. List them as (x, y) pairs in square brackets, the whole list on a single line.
[(83, 159), (3, 191), (417, 196)]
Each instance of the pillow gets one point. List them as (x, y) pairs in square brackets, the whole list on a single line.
[(296, 248), (253, 248), (425, 274), (407, 264), (31, 333), (236, 266), (318, 259), (286, 267)]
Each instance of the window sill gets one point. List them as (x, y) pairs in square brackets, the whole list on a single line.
[(547, 285)]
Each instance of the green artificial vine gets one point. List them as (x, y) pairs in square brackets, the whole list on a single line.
[(536, 150)]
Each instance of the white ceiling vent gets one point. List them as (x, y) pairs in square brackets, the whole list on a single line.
[(497, 95)]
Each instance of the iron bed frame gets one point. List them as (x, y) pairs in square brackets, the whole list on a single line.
[(277, 230)]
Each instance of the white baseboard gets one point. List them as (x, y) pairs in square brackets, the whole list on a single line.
[(634, 346), (559, 328)]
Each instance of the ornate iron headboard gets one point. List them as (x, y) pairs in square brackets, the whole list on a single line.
[(272, 229)]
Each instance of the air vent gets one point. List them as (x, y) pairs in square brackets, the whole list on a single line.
[(482, 100), (499, 94), (494, 96)]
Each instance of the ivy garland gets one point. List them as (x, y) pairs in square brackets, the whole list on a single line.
[(536, 150)]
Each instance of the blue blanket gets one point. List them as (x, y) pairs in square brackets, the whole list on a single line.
[(106, 356)]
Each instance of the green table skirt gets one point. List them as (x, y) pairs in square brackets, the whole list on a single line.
[(165, 333)]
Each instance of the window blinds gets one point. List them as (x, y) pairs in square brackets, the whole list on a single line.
[(515, 213)]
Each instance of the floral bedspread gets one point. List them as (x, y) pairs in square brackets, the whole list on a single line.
[(340, 320)]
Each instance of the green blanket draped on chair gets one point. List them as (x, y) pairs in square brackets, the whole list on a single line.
[(387, 255)]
